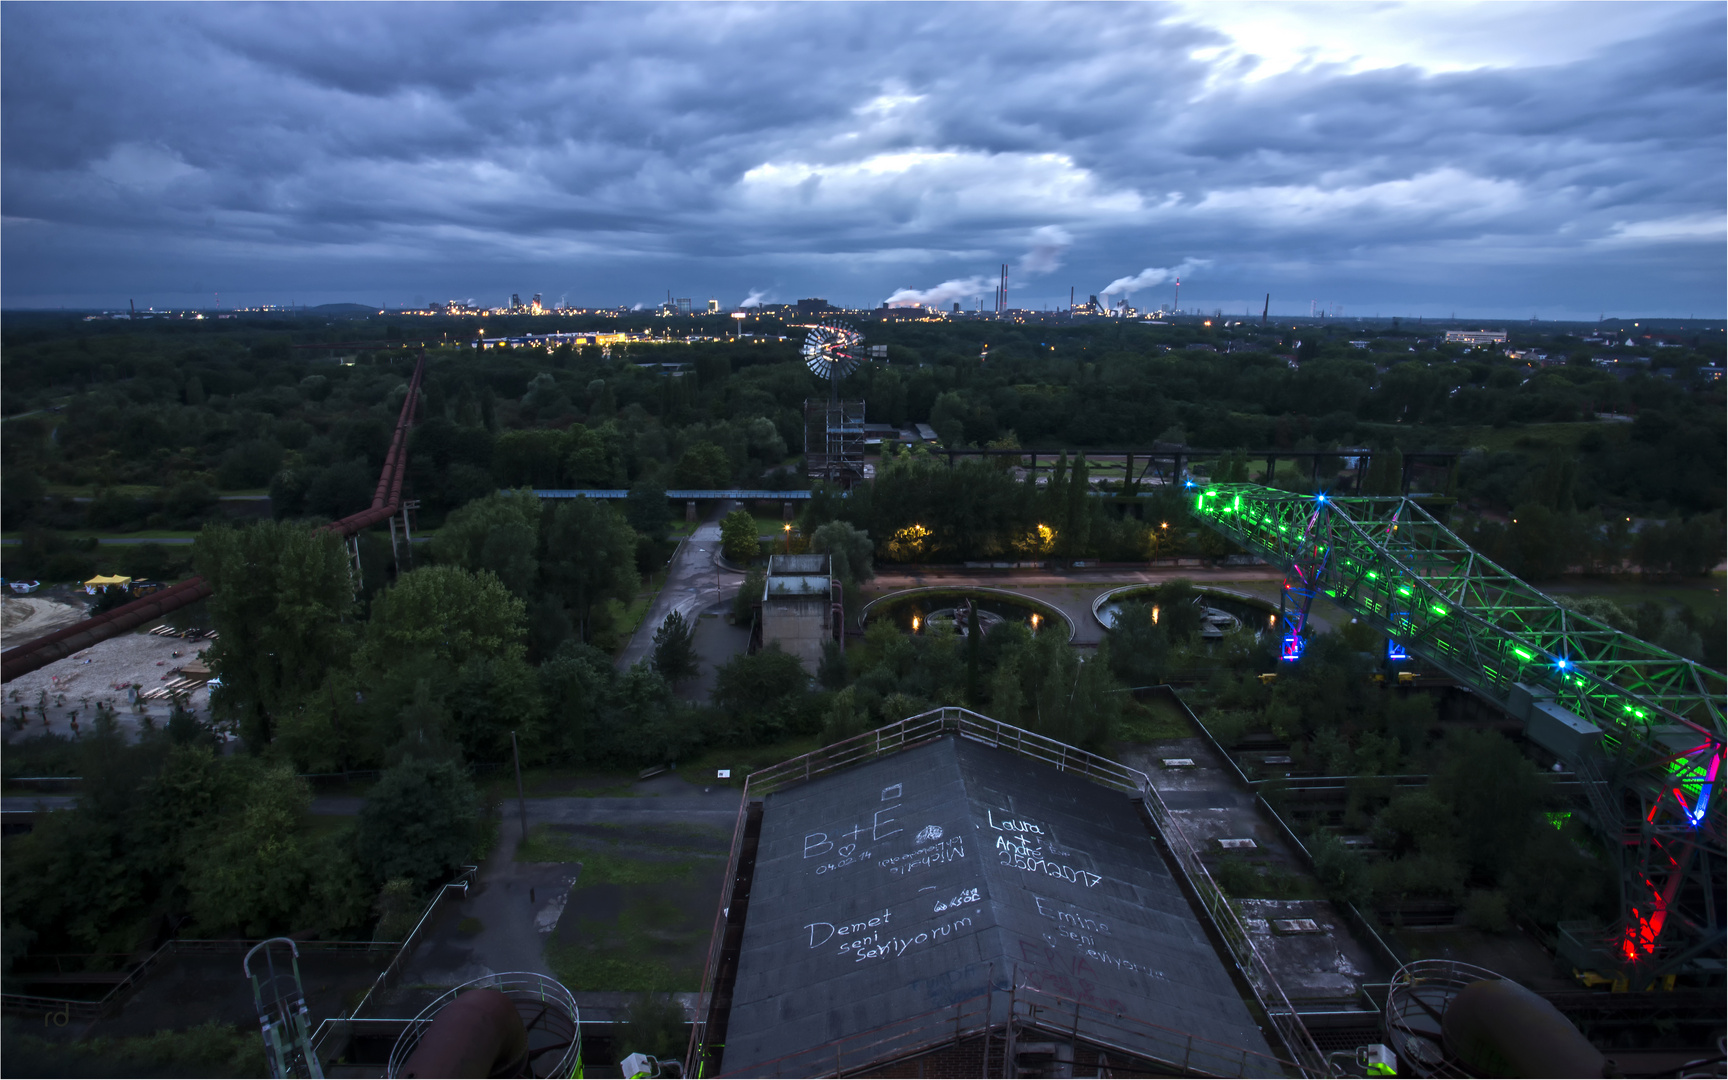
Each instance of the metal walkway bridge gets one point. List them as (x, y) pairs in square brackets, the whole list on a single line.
[(1641, 727)]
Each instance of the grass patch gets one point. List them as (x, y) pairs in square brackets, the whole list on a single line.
[(642, 911), (210, 1049), (1241, 879), (1155, 719), (621, 956), (599, 866), (745, 760)]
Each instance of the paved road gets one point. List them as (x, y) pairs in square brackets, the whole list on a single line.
[(694, 582)]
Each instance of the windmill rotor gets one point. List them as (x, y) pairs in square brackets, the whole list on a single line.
[(831, 350)]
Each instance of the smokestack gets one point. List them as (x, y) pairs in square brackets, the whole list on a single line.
[(1266, 310), (1070, 299), (1177, 303)]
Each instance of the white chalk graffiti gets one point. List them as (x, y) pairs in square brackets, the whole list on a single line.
[(817, 844), (943, 851), (880, 947), (1011, 825), (928, 834), (1020, 855), (970, 896), (829, 931), (1068, 915)]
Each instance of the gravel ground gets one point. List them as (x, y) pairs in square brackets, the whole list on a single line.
[(78, 683), (24, 618)]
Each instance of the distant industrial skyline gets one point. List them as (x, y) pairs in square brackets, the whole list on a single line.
[(1499, 161)]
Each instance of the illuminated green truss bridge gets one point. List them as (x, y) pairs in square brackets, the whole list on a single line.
[(1641, 727)]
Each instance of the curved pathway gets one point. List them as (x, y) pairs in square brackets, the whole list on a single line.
[(1074, 591), (695, 581)]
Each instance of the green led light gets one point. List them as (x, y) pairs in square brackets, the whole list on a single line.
[(1404, 590), (1372, 576), (1558, 818), (1438, 609), (1523, 654)]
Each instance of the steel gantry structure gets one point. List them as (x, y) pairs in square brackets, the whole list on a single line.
[(1641, 727)]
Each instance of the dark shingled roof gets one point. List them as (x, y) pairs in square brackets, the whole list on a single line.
[(915, 881)]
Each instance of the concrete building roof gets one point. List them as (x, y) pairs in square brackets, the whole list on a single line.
[(798, 564), (923, 879)]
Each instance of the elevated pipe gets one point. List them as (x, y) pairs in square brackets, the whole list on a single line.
[(386, 500)]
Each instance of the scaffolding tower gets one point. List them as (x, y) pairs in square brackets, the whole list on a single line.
[(834, 440)]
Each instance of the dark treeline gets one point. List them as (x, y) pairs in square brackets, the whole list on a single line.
[(501, 632), (150, 424)]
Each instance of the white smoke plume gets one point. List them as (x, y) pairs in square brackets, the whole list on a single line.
[(1049, 244), (635, 307), (754, 299), (1152, 275), (943, 294)]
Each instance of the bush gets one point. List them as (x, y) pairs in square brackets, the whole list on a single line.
[(420, 822), (656, 1026), (738, 538), (749, 595), (675, 649), (1485, 909)]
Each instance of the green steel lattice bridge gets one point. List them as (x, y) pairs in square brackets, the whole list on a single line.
[(1641, 727)]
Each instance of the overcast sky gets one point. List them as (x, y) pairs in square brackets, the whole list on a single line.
[(1497, 160)]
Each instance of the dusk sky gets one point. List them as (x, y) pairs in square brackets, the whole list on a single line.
[(1496, 160)]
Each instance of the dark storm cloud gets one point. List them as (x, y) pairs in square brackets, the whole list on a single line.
[(395, 151)]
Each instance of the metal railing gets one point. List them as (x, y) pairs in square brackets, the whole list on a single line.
[(83, 1009), (1067, 1018), (387, 978), (1028, 1011), (964, 723), (944, 1026)]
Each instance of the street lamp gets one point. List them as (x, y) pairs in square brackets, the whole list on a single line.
[(788, 528)]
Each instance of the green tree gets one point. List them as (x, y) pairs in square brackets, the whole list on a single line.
[(253, 870), (420, 822), (675, 649), (850, 549), (703, 466), (646, 510), (1043, 685), (749, 595), (499, 533), (282, 598), (1136, 648), (762, 693), (588, 556), (435, 619), (1494, 793), (738, 537)]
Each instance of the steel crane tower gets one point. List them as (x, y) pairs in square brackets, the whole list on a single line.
[(1641, 727)]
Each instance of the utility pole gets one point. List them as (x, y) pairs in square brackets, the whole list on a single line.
[(521, 800)]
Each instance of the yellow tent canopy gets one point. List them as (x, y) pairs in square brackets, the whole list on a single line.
[(102, 581)]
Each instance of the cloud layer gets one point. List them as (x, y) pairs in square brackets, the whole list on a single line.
[(1511, 159)]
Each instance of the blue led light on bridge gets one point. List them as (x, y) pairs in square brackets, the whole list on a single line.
[(1292, 650), (1396, 652)]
